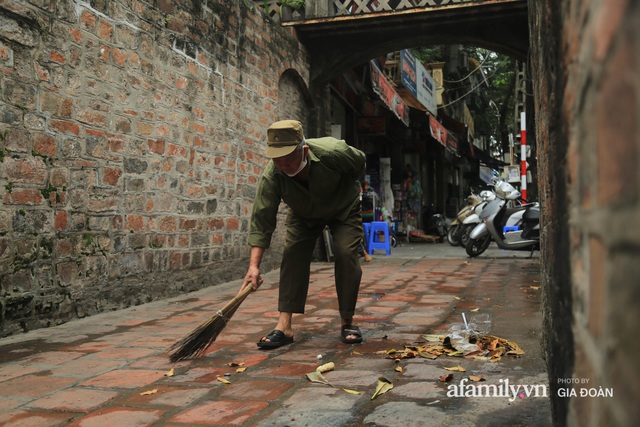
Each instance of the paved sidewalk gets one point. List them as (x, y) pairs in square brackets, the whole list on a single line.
[(94, 371)]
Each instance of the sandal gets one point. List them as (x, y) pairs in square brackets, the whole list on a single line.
[(351, 330), (276, 338)]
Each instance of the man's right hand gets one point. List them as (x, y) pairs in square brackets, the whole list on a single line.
[(252, 278)]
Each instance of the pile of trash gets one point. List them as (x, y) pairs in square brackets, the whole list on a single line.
[(468, 339)]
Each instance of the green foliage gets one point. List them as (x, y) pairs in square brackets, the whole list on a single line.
[(46, 192), (93, 245), (429, 54), (294, 4)]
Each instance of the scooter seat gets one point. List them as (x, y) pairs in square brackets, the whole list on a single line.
[(532, 214)]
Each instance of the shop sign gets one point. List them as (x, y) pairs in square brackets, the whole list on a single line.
[(438, 132), (408, 68), (452, 143), (512, 173), (418, 81), (388, 94), (426, 89), (442, 135)]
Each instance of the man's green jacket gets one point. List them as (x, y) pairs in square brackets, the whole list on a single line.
[(331, 192)]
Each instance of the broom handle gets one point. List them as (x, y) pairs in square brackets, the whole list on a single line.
[(238, 298)]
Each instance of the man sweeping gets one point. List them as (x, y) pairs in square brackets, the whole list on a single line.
[(318, 180)]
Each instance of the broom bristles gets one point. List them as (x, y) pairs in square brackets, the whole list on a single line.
[(203, 336)]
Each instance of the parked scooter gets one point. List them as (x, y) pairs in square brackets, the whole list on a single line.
[(470, 222), (453, 234), (496, 215), (434, 222), (468, 218)]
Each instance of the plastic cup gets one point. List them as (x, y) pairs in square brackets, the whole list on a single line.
[(481, 323)]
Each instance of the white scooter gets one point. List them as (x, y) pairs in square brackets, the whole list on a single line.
[(453, 233), (523, 224), (470, 221)]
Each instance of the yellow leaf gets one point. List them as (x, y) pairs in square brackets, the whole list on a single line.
[(456, 369), (399, 369), (240, 370), (326, 367), (316, 377), (223, 381), (383, 386), (352, 391), (391, 351), (458, 298), (145, 393), (535, 288), (476, 378), (433, 337), (356, 353), (474, 310), (169, 374)]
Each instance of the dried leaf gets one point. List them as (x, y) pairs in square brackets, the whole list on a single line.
[(429, 356), (473, 354), (352, 391), (446, 378), (535, 288), (473, 310), (145, 393), (316, 377), (223, 381), (458, 298), (383, 386), (399, 369), (326, 367), (493, 344), (476, 378), (433, 337), (240, 370), (356, 353), (169, 374), (456, 369)]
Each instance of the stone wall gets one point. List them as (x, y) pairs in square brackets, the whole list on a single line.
[(131, 140), (585, 61)]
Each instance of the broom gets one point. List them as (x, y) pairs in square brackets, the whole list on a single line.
[(197, 341)]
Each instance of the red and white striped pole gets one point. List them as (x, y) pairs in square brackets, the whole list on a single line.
[(523, 155)]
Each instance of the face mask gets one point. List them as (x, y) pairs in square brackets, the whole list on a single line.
[(303, 163)]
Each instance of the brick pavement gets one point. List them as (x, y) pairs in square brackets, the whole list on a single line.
[(94, 371)]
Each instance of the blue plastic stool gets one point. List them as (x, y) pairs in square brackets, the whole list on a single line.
[(374, 244), (367, 231)]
